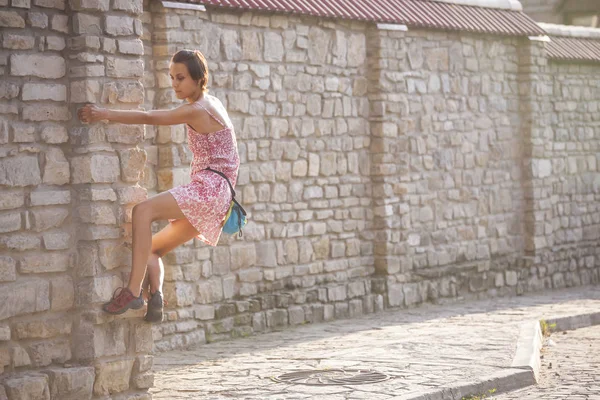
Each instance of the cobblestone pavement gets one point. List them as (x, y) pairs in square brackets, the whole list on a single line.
[(570, 368), (421, 349)]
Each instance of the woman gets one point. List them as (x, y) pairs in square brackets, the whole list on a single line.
[(194, 210)]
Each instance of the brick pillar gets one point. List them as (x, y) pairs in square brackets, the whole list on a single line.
[(105, 67)]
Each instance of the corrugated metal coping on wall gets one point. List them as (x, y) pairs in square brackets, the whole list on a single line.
[(413, 13), (574, 49)]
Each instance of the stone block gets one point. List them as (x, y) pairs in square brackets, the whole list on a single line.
[(142, 363), (62, 293), (20, 242), (135, 47), (10, 222), (296, 315), (142, 336), (56, 169), (112, 377), (124, 68), (8, 90), (18, 42), (42, 329), (99, 214), (49, 351), (71, 383), (132, 164), (58, 4), (57, 240), (42, 263), (337, 293), (4, 333), (128, 134), (7, 269), (95, 168), (110, 339), (37, 20), (39, 91), (47, 218), (273, 47), (45, 112), (91, 5), (30, 386), (115, 92), (144, 380), (49, 197), (11, 199), (85, 91), (23, 133), (243, 256), (395, 295), (11, 19), (53, 134), (41, 66), (130, 6), (86, 24), (131, 195), (277, 318), (20, 171), (119, 25), (56, 43)]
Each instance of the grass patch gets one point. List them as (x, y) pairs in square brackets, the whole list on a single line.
[(546, 328), (479, 396)]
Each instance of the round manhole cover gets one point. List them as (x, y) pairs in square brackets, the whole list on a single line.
[(322, 377)]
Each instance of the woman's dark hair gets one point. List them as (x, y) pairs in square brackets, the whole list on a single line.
[(196, 65)]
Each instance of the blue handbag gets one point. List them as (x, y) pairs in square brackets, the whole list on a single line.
[(235, 219)]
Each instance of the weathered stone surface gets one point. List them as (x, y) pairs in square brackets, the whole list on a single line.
[(49, 197), (45, 112), (132, 164), (112, 377), (40, 263), (47, 218), (7, 269), (10, 222), (41, 329), (56, 169), (48, 351), (32, 386), (63, 293), (124, 68), (38, 91), (20, 171), (71, 383), (119, 25), (41, 66), (96, 168), (53, 134), (11, 19)]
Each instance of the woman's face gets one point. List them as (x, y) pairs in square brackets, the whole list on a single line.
[(181, 81)]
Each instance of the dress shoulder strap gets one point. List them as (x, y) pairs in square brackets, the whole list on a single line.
[(212, 115)]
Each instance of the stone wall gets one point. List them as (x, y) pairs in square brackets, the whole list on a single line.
[(66, 193), (451, 204), (301, 117), (381, 168), (565, 179)]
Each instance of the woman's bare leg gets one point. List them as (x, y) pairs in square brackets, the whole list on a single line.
[(160, 207), (172, 236)]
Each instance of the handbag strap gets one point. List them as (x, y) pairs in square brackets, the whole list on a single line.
[(227, 179)]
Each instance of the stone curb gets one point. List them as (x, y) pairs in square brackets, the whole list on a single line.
[(524, 370)]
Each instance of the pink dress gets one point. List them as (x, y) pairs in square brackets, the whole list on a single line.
[(206, 199)]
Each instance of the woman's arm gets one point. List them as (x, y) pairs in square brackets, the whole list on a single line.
[(179, 115)]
